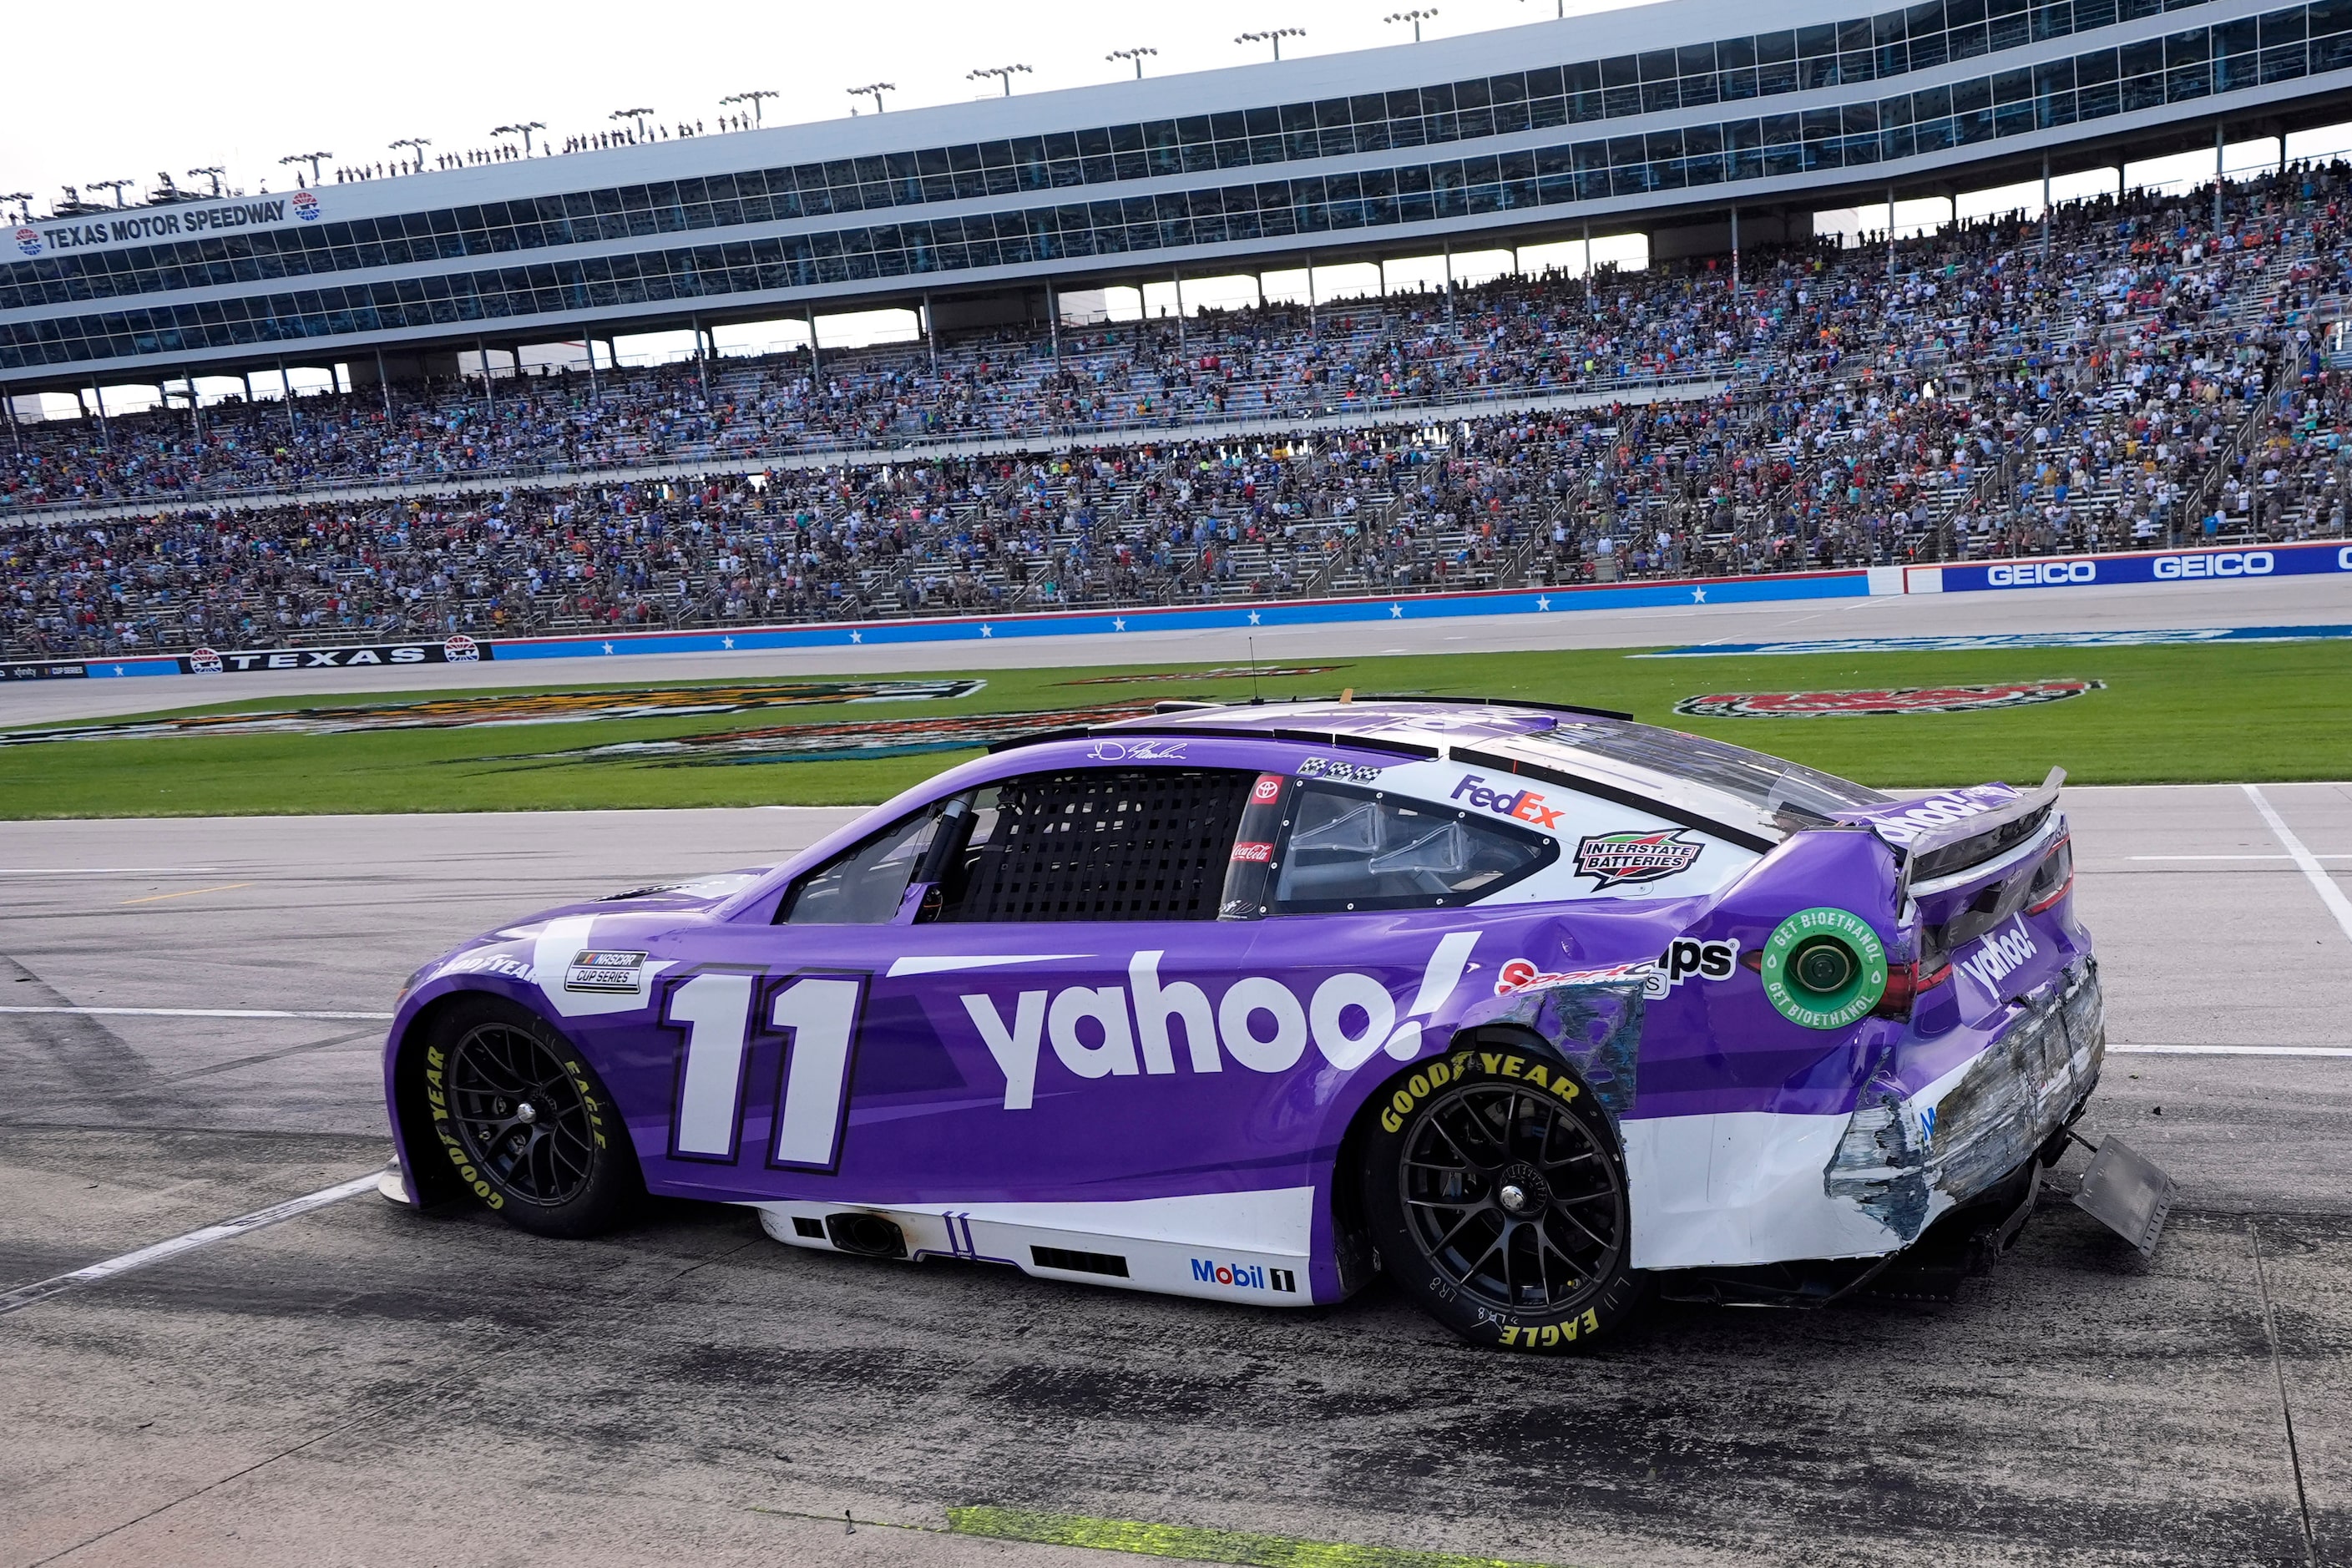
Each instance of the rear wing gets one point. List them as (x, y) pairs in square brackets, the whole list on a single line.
[(1973, 829)]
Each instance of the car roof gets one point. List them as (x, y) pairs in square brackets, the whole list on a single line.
[(1684, 777)]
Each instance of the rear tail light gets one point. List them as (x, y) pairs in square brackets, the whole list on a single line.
[(2054, 878), (1905, 983)]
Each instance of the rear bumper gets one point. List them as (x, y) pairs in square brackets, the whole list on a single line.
[(1739, 1188)]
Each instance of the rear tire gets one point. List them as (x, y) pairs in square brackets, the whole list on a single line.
[(527, 1124), (1495, 1191)]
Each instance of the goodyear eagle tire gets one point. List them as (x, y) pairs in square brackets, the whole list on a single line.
[(527, 1124), (1495, 1192)]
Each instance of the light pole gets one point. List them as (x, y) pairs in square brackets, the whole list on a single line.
[(1272, 35), (1559, 9), (1002, 73), (114, 186), (637, 115), (313, 159), (415, 145), (24, 200), (1417, 18), (876, 89), (1136, 55), (753, 98), (522, 128), (212, 171)]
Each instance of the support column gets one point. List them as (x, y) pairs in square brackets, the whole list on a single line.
[(490, 398), (1587, 260), (1053, 319), (930, 333), (701, 361), (1890, 234), (1735, 254), (2045, 203), (15, 436), (816, 368), (2216, 178), (105, 436), (286, 391), (384, 384), (1310, 294), (1447, 246), (1180, 308)]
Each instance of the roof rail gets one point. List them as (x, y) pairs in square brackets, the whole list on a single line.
[(1494, 702)]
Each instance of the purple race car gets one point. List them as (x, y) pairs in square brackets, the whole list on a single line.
[(1531, 1008)]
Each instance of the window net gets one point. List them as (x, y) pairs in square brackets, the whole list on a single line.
[(1143, 844)]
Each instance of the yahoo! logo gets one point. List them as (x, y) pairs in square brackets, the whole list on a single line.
[(1526, 804), (1258, 1022)]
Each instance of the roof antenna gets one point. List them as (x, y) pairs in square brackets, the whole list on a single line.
[(1255, 700)]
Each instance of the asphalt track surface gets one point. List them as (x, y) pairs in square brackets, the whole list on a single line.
[(364, 1384), (2281, 602), (361, 1384)]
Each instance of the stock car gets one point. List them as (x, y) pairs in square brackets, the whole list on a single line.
[(1532, 1008)]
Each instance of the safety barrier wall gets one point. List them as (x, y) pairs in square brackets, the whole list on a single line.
[(1104, 624)]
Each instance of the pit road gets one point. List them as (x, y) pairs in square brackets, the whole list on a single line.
[(360, 1383)]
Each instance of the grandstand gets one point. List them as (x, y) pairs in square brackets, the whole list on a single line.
[(2145, 367)]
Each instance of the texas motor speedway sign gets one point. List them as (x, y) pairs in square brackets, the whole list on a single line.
[(455, 650)]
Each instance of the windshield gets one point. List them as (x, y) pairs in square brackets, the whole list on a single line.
[(1774, 786)]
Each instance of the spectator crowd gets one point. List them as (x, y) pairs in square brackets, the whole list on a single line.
[(2129, 374)]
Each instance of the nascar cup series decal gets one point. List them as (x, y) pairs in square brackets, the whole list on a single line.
[(597, 969), (1618, 859), (1900, 700)]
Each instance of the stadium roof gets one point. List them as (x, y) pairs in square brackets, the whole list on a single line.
[(1644, 119)]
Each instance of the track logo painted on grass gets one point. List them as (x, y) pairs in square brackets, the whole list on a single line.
[(515, 709), (856, 740), (1228, 672), (1897, 700)]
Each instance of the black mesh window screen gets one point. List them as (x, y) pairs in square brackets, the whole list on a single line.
[(1105, 844)]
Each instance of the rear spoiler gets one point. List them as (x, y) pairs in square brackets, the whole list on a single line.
[(1936, 851)]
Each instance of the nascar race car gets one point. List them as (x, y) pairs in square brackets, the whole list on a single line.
[(1531, 1008)]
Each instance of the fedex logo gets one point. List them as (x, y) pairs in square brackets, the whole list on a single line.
[(1526, 804)]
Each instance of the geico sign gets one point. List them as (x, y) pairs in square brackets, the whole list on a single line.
[(2040, 573), (2218, 564)]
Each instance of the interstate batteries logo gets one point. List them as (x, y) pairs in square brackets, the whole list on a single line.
[(1616, 859), (1896, 699), (28, 240)]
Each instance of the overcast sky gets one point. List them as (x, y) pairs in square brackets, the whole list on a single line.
[(121, 90)]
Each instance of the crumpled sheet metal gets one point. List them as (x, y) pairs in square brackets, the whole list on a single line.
[(1905, 1158)]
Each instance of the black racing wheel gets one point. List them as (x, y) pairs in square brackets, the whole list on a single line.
[(527, 1123), (1498, 1198)]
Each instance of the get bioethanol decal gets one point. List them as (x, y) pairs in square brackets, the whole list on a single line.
[(1897, 700), (1824, 968)]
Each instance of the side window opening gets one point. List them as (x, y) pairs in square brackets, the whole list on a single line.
[(863, 886), (1096, 844), (1350, 848)]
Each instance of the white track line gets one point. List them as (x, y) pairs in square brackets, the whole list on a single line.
[(107, 870), (2321, 883), (2226, 1051), (194, 1013), (41, 1290), (2236, 857)]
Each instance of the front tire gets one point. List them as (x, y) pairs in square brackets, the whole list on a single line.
[(1496, 1194), (527, 1125)]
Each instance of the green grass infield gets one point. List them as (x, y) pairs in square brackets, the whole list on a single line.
[(2163, 714)]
